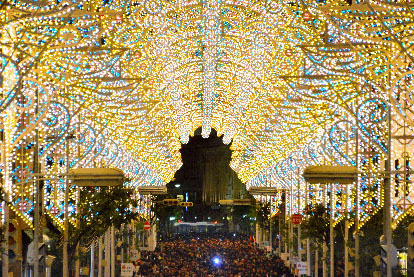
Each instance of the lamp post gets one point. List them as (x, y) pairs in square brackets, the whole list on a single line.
[(299, 211), (331, 234), (329, 175), (388, 200), (268, 191), (82, 177), (37, 208)]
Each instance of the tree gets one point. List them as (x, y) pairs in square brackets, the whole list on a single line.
[(316, 224), (98, 209), (242, 216), (263, 215), (162, 212), (369, 243)]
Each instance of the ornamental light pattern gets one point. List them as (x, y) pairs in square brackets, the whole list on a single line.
[(287, 84)]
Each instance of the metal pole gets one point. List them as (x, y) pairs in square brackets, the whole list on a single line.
[(134, 236), (92, 260), (4, 180), (346, 235), (112, 251), (279, 248), (270, 235), (143, 237), (299, 245), (107, 253), (36, 232), (324, 269), (357, 206), (299, 211), (4, 255), (66, 221), (308, 250), (291, 229), (308, 256), (128, 252), (331, 234), (387, 200), (285, 240), (36, 196), (122, 240), (100, 246)]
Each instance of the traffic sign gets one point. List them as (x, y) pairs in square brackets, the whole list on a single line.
[(147, 225), (296, 219), (127, 269), (302, 268)]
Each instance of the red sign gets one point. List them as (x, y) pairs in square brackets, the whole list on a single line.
[(147, 225), (296, 219), (307, 16)]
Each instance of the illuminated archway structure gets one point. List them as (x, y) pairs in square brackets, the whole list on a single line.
[(288, 83)]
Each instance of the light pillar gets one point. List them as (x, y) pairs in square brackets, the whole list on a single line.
[(112, 251), (331, 234)]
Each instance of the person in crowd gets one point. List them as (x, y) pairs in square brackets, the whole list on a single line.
[(222, 255)]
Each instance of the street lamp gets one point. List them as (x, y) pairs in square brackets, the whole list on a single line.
[(177, 185), (87, 177), (339, 175), (84, 177), (268, 191)]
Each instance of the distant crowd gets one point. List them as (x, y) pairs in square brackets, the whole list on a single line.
[(223, 255)]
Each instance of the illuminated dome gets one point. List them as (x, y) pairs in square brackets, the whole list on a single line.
[(287, 83)]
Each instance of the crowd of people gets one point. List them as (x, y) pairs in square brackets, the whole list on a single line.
[(210, 256)]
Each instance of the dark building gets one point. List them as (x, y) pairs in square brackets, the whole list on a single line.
[(206, 177)]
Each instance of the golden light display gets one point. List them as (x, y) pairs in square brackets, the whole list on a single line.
[(288, 83)]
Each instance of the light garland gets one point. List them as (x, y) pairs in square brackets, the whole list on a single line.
[(283, 83)]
